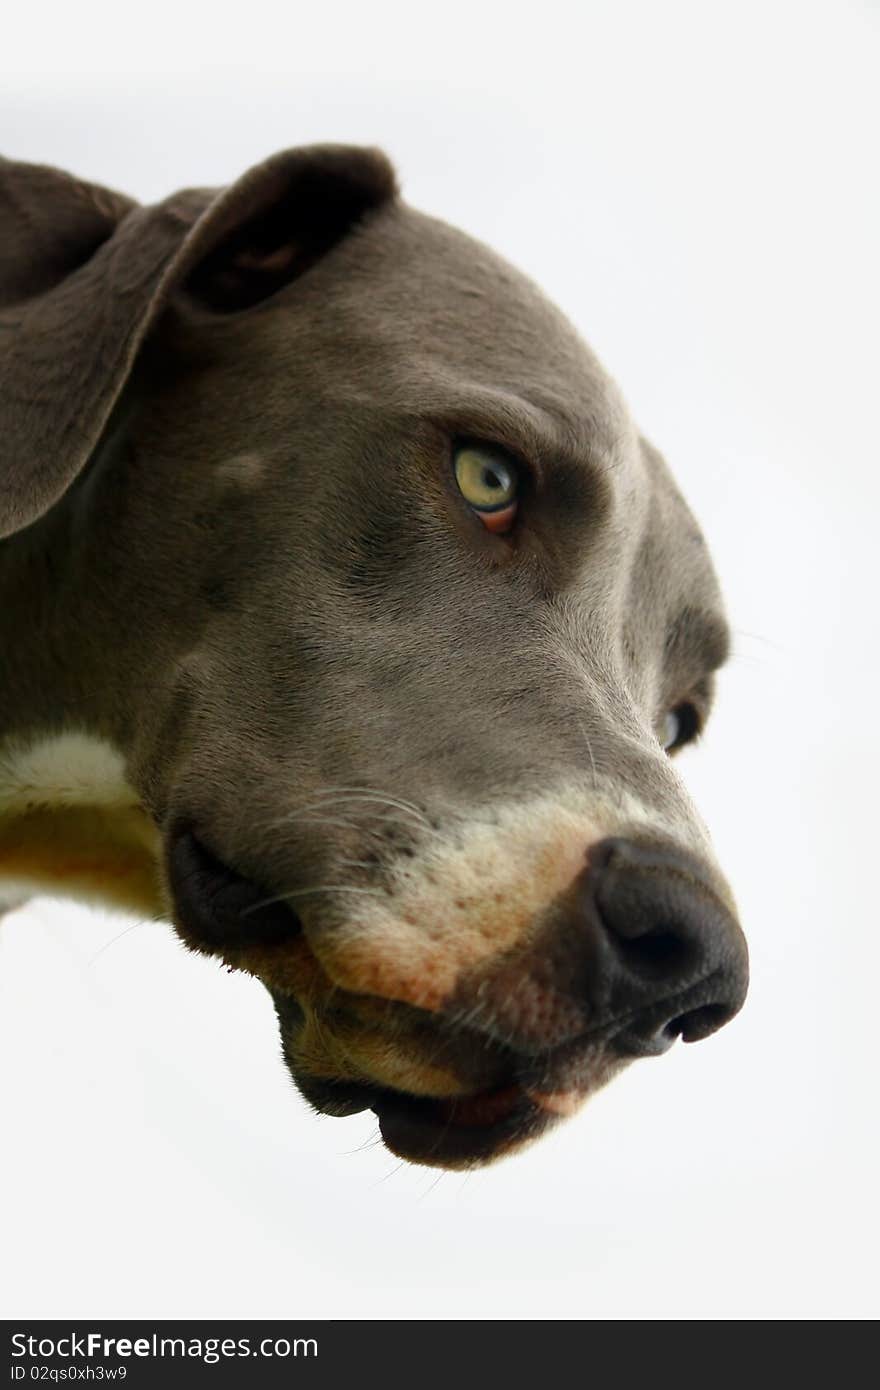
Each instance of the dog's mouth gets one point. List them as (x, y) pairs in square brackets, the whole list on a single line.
[(444, 1095), (222, 913)]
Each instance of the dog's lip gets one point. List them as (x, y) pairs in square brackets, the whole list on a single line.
[(217, 907), (458, 1131), (444, 1131)]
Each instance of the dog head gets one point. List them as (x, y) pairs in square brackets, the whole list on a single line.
[(396, 621)]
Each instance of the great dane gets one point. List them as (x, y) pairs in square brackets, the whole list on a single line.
[(349, 624)]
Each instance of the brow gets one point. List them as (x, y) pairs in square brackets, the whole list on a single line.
[(699, 636), (546, 436)]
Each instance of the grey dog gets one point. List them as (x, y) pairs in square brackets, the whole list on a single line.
[(349, 624)]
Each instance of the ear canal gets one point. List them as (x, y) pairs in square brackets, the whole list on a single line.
[(85, 273), (293, 221)]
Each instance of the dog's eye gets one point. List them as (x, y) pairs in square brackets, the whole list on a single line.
[(488, 480), (680, 726)]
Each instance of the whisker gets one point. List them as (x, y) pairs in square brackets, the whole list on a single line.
[(118, 937), (312, 812), (369, 793), (307, 892), (390, 1174), (757, 637), (331, 799), (430, 1188), (583, 728), (368, 1143), (316, 820)]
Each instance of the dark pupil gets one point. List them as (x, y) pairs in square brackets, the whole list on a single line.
[(492, 479)]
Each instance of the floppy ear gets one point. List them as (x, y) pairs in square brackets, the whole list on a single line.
[(85, 273)]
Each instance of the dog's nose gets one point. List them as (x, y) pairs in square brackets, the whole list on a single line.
[(670, 957), (639, 950)]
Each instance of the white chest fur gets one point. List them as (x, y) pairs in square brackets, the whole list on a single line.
[(63, 770), (71, 825)]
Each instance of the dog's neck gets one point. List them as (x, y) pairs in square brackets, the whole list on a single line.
[(70, 823)]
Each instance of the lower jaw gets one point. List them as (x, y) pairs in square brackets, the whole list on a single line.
[(420, 1137), (456, 1133)]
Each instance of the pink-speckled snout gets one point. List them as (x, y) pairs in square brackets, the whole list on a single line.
[(634, 948), (492, 982)]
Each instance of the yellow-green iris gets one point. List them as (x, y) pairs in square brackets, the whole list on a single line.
[(486, 477)]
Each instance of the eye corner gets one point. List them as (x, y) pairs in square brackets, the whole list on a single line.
[(682, 724)]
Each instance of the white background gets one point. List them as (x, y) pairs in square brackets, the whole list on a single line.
[(695, 185)]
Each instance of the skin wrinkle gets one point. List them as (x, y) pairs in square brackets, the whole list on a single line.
[(261, 590)]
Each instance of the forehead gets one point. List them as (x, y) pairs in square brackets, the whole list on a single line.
[(451, 329)]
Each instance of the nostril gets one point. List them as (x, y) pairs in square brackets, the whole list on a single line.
[(650, 1033), (656, 954), (699, 1023)]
